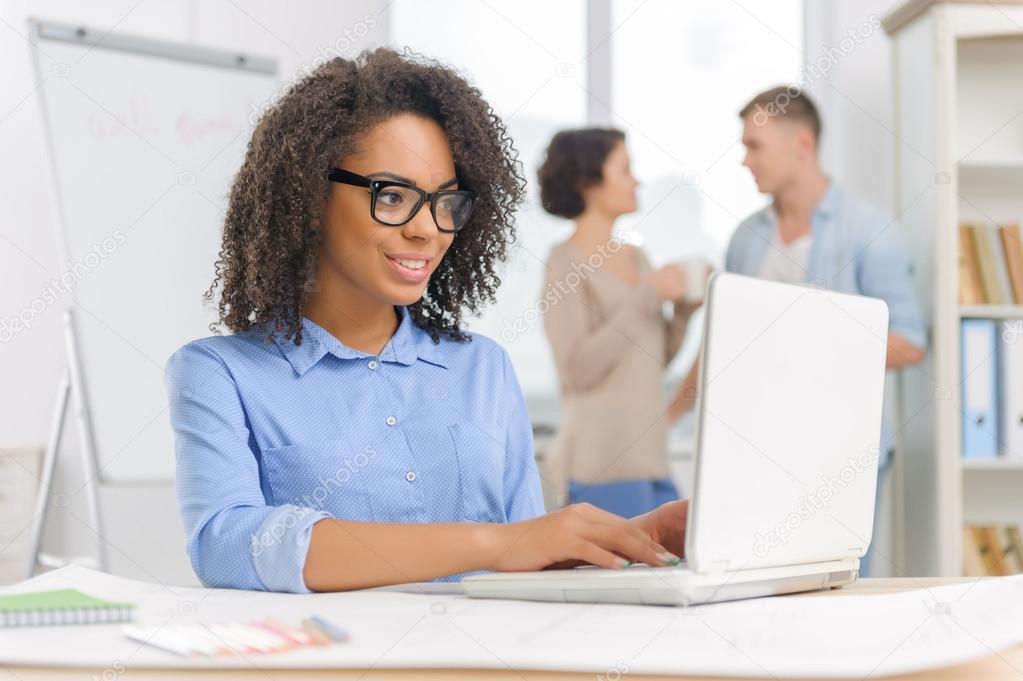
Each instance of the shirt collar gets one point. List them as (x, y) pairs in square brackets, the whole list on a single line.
[(408, 344), (824, 208), (829, 202)]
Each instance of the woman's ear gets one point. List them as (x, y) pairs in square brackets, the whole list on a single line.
[(586, 194)]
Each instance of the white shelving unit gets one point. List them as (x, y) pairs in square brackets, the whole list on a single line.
[(991, 311), (958, 73)]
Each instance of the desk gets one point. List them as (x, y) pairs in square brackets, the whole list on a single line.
[(1005, 665)]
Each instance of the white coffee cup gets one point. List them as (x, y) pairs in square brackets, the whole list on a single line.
[(697, 271)]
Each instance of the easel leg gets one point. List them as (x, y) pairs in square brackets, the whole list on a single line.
[(46, 479)]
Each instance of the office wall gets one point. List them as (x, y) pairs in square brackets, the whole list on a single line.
[(854, 92)]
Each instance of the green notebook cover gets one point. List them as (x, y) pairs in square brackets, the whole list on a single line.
[(61, 606)]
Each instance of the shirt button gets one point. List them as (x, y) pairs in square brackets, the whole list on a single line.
[(391, 420), (372, 364), (410, 476)]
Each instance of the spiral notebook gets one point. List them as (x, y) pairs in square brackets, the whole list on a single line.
[(62, 606)]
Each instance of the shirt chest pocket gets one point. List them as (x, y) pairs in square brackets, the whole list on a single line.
[(481, 465), (332, 476)]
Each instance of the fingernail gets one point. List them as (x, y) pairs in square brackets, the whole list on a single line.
[(669, 558), (625, 563)]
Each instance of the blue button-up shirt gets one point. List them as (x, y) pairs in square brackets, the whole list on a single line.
[(272, 437), (854, 249)]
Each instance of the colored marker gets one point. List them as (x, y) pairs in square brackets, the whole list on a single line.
[(201, 640), (237, 643), (263, 641), (315, 633), (329, 629), (286, 635)]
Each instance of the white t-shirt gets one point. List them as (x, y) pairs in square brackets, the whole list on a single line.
[(786, 263)]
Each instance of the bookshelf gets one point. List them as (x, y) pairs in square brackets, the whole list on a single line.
[(991, 311), (958, 118), (992, 465)]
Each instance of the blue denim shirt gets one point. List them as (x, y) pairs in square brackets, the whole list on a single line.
[(272, 437), (854, 249)]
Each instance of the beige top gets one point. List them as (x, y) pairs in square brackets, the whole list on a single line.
[(612, 344)]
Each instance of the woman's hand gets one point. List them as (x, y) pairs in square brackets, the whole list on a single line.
[(685, 398), (576, 534), (670, 282), (666, 525)]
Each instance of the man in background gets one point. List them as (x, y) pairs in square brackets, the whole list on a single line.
[(814, 232)]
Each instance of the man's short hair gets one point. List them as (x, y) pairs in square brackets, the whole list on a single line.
[(785, 101)]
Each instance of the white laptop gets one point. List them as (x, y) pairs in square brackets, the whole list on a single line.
[(788, 424)]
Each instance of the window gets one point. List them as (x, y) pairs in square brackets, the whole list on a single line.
[(679, 72), (525, 57), (679, 77)]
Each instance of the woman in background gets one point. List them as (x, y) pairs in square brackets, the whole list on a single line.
[(606, 326)]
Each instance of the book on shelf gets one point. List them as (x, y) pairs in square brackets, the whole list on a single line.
[(980, 413), (973, 561), (998, 260), (1011, 393), (984, 249), (1012, 245), (991, 389), (971, 290), (1011, 548), (990, 264), (992, 550)]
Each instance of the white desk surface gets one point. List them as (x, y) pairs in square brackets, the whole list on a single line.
[(1007, 664)]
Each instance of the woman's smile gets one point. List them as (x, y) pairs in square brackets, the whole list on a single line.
[(410, 267)]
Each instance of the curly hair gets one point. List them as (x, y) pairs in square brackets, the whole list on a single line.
[(574, 161), (274, 224)]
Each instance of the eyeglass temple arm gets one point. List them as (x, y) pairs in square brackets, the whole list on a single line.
[(339, 175)]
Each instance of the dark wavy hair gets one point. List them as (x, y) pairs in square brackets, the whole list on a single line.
[(574, 161), (274, 223)]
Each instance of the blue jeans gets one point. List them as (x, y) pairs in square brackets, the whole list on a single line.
[(627, 498)]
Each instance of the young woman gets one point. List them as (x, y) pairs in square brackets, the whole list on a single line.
[(349, 433), (610, 338)]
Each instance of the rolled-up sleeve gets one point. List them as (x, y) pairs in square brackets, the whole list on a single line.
[(234, 539), (886, 272)]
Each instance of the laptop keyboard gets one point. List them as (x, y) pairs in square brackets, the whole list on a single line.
[(683, 564)]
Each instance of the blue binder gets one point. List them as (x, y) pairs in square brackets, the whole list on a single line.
[(980, 388)]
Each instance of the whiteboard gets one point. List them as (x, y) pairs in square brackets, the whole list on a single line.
[(144, 139)]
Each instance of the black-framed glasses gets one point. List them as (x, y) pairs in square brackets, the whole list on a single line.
[(395, 203)]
